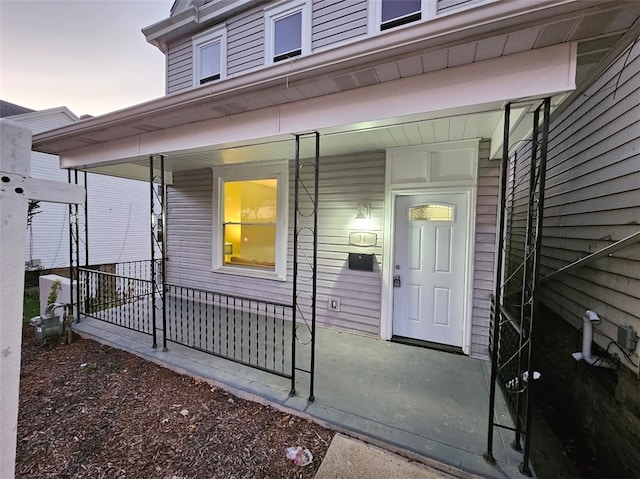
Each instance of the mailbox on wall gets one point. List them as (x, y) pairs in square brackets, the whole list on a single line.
[(361, 261)]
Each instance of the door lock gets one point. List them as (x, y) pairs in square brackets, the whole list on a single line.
[(396, 281)]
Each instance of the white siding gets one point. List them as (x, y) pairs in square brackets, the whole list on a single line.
[(119, 225), (179, 65), (335, 21), (592, 200), (245, 37)]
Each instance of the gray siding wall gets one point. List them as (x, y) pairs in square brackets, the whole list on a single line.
[(335, 21), (593, 200), (446, 6), (343, 181), (245, 42), (485, 250), (179, 65)]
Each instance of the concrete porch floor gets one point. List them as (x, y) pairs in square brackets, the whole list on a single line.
[(428, 405)]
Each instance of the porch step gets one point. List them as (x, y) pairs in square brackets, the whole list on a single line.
[(349, 458)]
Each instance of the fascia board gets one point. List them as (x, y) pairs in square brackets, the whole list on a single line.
[(542, 72)]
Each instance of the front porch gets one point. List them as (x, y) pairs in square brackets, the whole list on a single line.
[(429, 404)]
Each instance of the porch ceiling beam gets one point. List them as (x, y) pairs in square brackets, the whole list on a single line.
[(516, 117), (131, 171), (531, 74)]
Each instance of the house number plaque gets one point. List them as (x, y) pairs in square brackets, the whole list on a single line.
[(359, 238)]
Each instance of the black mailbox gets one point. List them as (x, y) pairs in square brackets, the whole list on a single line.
[(361, 262)]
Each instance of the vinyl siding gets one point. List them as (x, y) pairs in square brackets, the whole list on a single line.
[(336, 21), (485, 249), (592, 199), (343, 181), (245, 39), (446, 6), (179, 65), (119, 229)]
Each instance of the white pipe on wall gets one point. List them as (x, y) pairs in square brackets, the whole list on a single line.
[(589, 319)]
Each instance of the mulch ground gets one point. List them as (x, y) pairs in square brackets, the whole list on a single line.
[(90, 411)]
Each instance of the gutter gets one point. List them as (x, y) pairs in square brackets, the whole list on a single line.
[(421, 37)]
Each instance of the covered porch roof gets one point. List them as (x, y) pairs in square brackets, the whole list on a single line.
[(423, 84)]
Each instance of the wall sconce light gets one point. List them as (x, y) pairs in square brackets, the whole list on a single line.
[(364, 210), (228, 248)]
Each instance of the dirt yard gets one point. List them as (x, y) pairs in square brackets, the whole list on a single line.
[(90, 411)]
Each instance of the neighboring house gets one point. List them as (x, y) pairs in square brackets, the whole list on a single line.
[(408, 101), (118, 207)]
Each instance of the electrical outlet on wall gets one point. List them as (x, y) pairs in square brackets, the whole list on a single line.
[(333, 304)]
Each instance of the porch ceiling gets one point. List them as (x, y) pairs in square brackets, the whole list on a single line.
[(482, 121)]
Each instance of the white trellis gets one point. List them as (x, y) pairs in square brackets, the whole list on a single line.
[(16, 189)]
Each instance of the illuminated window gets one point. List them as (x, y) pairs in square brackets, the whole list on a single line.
[(250, 220), (209, 56), (431, 213), (251, 206)]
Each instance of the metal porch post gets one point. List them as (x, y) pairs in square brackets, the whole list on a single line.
[(535, 283), (525, 294), (163, 245), (488, 455), (310, 224), (294, 299), (158, 239), (315, 267), (74, 246), (86, 242), (153, 253)]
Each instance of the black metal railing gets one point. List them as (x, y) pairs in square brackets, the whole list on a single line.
[(115, 298), (512, 373), (247, 331)]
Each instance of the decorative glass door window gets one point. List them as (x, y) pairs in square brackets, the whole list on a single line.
[(431, 212), (250, 223)]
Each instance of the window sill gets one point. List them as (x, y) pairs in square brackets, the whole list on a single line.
[(250, 273)]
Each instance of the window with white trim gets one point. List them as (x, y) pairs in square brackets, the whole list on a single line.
[(250, 220), (399, 12), (209, 56), (287, 30)]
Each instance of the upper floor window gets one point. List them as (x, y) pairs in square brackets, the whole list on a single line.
[(287, 30), (399, 12), (209, 56)]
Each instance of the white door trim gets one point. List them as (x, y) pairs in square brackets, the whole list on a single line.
[(388, 247)]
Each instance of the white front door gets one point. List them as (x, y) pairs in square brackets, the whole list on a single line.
[(430, 262)]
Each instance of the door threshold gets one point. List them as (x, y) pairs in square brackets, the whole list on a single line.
[(446, 348)]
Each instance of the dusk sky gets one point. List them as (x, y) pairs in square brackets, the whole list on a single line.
[(87, 55)]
